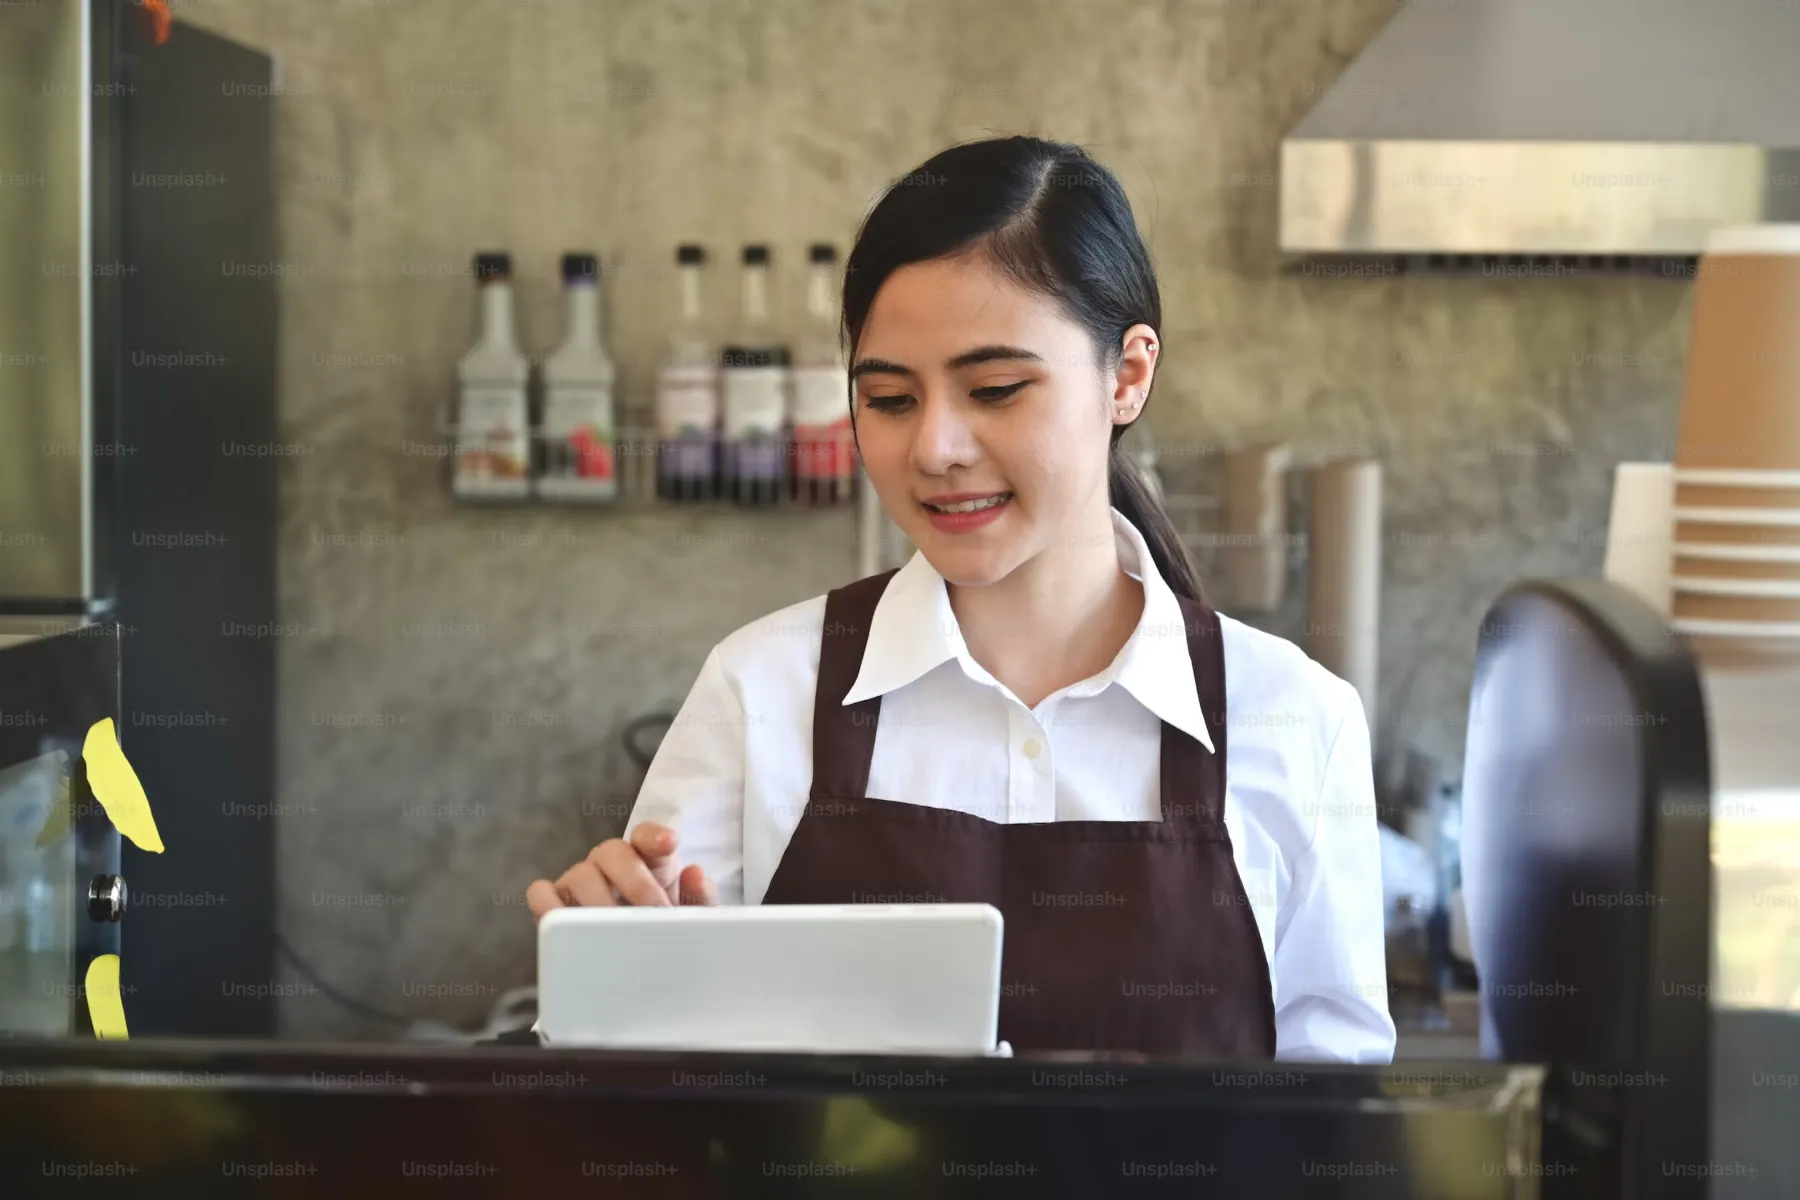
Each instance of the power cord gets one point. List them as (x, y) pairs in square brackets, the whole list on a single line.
[(318, 981), (634, 735), (510, 1011)]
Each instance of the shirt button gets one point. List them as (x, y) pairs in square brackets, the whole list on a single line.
[(1033, 747)]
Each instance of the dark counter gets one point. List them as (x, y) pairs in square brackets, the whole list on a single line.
[(149, 1116)]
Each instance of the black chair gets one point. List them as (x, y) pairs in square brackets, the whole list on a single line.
[(1587, 878)]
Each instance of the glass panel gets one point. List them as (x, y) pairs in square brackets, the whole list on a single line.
[(1755, 837), (37, 901), (45, 278), (1756, 881)]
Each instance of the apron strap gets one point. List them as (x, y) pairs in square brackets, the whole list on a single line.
[(1188, 771), (844, 737)]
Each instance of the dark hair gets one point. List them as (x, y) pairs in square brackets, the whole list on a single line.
[(1055, 221)]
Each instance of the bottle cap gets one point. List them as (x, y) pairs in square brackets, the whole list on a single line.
[(492, 264), (756, 254), (690, 254), (580, 268), (821, 252)]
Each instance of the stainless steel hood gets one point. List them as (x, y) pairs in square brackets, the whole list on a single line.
[(1552, 127)]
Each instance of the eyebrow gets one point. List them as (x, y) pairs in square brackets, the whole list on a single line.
[(968, 358)]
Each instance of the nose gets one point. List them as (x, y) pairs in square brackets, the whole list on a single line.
[(943, 439)]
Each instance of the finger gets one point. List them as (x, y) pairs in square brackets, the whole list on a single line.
[(584, 882), (654, 843), (634, 881), (541, 897), (696, 888)]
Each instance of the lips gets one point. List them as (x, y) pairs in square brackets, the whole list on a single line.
[(966, 502), (963, 512)]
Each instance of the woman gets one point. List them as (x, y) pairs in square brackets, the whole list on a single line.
[(1034, 712)]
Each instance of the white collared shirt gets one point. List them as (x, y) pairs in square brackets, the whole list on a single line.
[(734, 771)]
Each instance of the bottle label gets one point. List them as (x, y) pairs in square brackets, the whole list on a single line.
[(755, 400), (824, 451), (578, 432), (821, 395), (491, 435), (571, 408), (756, 457), (689, 456), (687, 401)]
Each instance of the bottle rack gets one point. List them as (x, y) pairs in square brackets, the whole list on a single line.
[(638, 453)]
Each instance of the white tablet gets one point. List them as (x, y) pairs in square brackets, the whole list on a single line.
[(838, 978)]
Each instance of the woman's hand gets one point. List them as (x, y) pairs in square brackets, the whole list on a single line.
[(640, 870)]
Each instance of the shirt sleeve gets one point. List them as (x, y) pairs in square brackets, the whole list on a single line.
[(695, 784), (1330, 959)]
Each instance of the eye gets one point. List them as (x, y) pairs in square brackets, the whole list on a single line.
[(887, 404), (1001, 392)]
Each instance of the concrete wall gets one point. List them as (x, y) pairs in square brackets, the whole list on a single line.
[(451, 698)]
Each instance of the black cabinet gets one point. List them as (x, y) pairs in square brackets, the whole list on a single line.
[(194, 527)]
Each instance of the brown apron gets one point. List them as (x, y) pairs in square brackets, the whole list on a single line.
[(1119, 935)]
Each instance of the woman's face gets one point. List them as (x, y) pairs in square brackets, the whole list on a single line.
[(983, 417)]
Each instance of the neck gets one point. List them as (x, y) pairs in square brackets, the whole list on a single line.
[(756, 296), (819, 300), (690, 295), (584, 314), (497, 314), (1056, 620)]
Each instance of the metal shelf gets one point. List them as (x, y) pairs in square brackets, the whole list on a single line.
[(1189, 503), (637, 452)]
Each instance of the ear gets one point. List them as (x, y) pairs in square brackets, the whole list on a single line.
[(1135, 373)]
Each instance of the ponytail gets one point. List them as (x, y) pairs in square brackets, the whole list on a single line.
[(1132, 495)]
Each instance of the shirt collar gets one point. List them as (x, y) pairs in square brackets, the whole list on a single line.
[(914, 630)]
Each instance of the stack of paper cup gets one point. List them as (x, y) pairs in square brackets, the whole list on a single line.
[(1736, 564), (1343, 602), (1638, 533), (1255, 527)]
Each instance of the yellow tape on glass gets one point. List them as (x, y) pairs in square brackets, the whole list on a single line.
[(116, 787), (105, 1009)]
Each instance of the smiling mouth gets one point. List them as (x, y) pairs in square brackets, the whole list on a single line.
[(968, 506)]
